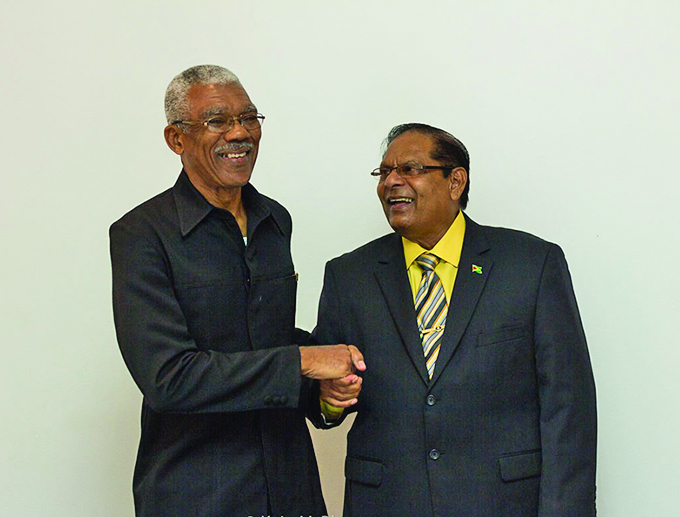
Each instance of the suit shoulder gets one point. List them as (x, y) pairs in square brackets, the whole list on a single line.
[(515, 240), (371, 251), (521, 252)]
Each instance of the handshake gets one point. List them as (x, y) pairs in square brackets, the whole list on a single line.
[(334, 366)]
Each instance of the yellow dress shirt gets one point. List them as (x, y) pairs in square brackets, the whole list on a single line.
[(448, 249)]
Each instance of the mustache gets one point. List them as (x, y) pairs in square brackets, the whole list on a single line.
[(234, 147)]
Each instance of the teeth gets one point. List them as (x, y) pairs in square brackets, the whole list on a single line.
[(401, 200), (232, 155)]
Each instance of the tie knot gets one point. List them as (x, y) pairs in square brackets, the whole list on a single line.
[(427, 261)]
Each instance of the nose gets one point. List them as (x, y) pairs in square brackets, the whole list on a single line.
[(237, 132), (393, 179)]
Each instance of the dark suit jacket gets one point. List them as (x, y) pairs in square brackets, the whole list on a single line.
[(507, 426), (206, 328)]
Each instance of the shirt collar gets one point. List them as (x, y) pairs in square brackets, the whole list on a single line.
[(448, 248), (192, 207)]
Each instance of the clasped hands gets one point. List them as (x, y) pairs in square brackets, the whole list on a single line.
[(334, 367)]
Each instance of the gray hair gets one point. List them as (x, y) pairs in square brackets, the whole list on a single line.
[(176, 96)]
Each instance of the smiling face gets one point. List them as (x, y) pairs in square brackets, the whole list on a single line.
[(218, 164), (420, 208)]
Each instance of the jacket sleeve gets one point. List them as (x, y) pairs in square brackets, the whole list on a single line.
[(163, 358), (329, 330), (568, 420)]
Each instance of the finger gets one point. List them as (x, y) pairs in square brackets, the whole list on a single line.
[(342, 392), (345, 385), (347, 393), (352, 390), (340, 403), (357, 358), (346, 381)]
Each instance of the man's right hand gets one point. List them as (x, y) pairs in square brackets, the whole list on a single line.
[(330, 361), (341, 393)]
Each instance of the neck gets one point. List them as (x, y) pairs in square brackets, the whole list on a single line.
[(226, 198), (426, 242), (430, 239)]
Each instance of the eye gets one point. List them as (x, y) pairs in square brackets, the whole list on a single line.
[(250, 121), (408, 170), (217, 121)]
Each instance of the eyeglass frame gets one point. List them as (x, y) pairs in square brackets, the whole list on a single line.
[(422, 169), (238, 118)]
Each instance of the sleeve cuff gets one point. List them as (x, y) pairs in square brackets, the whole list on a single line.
[(329, 413)]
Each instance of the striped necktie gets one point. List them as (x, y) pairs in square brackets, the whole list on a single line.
[(431, 309)]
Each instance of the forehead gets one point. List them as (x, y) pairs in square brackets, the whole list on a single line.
[(409, 146), (207, 99)]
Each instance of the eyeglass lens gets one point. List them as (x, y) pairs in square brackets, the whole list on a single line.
[(224, 124)]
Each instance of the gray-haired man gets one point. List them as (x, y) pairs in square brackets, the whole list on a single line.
[(204, 305)]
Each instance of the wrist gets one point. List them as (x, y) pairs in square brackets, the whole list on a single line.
[(304, 360)]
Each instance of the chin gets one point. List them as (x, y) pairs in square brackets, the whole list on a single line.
[(398, 220), (398, 227), (235, 178)]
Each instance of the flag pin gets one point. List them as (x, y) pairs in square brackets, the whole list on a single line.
[(476, 269)]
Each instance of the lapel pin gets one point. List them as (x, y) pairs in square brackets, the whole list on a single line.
[(476, 269)]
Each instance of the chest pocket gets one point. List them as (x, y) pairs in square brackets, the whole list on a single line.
[(271, 310), (503, 336), (216, 314)]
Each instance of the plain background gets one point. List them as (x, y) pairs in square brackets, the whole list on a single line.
[(570, 112)]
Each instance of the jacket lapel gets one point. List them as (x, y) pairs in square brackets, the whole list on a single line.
[(393, 281), (473, 270)]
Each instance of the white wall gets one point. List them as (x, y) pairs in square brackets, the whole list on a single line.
[(570, 111)]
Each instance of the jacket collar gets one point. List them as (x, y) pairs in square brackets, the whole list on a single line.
[(192, 207), (393, 281), (474, 269)]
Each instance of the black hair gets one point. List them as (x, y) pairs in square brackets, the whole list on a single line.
[(448, 150)]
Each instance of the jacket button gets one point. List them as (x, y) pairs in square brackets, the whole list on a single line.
[(434, 454), (268, 399), (431, 400)]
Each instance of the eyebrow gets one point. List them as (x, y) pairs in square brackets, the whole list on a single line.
[(384, 165), (219, 110)]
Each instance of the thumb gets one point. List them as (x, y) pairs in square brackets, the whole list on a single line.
[(357, 358)]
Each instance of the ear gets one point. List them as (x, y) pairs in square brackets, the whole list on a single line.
[(174, 137), (457, 181)]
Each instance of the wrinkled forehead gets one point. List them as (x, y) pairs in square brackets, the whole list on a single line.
[(409, 147), (206, 100)]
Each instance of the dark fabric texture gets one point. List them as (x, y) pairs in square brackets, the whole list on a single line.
[(206, 326), (507, 426)]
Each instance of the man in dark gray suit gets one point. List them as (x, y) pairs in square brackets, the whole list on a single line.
[(479, 399), (204, 305)]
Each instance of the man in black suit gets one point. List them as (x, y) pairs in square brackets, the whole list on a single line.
[(479, 399), (204, 306)]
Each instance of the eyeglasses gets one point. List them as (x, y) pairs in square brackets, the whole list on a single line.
[(408, 170), (225, 123)]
